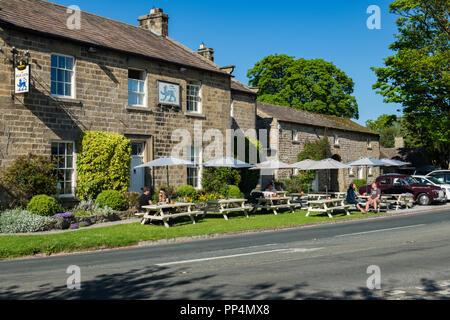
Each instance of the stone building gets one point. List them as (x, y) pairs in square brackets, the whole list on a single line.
[(100, 74), (289, 129)]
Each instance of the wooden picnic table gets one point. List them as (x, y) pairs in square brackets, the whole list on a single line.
[(327, 206), (274, 203), (226, 206), (398, 200), (165, 212)]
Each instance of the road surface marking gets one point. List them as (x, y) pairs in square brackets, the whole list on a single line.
[(238, 255), (379, 230)]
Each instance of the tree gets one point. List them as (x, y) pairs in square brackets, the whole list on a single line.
[(417, 76), (388, 127), (312, 85)]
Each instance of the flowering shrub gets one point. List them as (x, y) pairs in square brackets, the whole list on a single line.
[(62, 220), (22, 221), (202, 197), (87, 205)]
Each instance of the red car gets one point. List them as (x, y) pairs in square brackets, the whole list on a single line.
[(398, 183)]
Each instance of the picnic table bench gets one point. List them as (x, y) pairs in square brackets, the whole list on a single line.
[(299, 199), (165, 212), (274, 203), (398, 200), (227, 206), (327, 206)]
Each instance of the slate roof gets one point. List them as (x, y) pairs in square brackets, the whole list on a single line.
[(50, 19), (310, 118), (238, 86)]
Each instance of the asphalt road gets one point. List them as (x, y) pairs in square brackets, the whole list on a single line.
[(412, 254)]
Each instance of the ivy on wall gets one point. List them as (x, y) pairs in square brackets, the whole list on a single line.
[(103, 163)]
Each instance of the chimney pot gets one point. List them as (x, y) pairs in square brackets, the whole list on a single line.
[(208, 53), (157, 21)]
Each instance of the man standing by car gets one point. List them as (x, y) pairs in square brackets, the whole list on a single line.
[(375, 196)]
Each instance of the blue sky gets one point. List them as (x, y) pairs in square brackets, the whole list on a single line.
[(243, 32)]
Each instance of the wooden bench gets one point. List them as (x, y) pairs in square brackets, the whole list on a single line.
[(271, 204), (328, 206), (227, 206), (166, 212)]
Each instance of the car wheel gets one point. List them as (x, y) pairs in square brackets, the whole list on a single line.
[(423, 199)]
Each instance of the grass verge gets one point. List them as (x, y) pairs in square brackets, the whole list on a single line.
[(123, 235)]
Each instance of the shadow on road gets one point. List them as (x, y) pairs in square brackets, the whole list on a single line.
[(158, 283)]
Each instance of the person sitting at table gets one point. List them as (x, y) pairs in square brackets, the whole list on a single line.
[(163, 199), (145, 198), (270, 188), (256, 194), (375, 196), (352, 197)]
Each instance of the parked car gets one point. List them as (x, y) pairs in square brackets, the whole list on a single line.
[(395, 183), (441, 175), (424, 170), (430, 180)]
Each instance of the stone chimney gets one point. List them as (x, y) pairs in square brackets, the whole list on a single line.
[(157, 21), (399, 142), (208, 53)]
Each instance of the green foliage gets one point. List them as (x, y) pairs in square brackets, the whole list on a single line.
[(132, 199), (249, 178), (298, 183), (186, 191), (21, 221), (388, 127), (359, 183), (417, 76), (112, 199), (44, 205), (103, 163), (27, 176), (233, 192), (312, 85), (215, 179)]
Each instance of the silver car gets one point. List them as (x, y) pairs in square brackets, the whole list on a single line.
[(434, 182)]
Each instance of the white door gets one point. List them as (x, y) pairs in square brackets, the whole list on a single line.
[(137, 176)]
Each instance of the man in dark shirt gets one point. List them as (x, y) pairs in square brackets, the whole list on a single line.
[(145, 199)]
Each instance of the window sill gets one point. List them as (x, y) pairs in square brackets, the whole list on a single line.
[(195, 115), (139, 109), (69, 100)]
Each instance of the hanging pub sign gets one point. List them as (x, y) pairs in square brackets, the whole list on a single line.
[(168, 93), (22, 78)]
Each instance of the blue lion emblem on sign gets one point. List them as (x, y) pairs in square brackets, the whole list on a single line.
[(22, 86), (169, 95)]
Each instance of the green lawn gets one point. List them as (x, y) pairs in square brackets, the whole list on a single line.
[(130, 234)]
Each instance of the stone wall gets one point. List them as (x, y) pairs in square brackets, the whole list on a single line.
[(31, 121), (244, 111), (352, 146)]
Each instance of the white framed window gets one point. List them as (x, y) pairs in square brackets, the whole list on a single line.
[(360, 173), (194, 171), (294, 135), (62, 76), (193, 97), (351, 172), (369, 144), (370, 173), (136, 88), (63, 156), (336, 140)]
